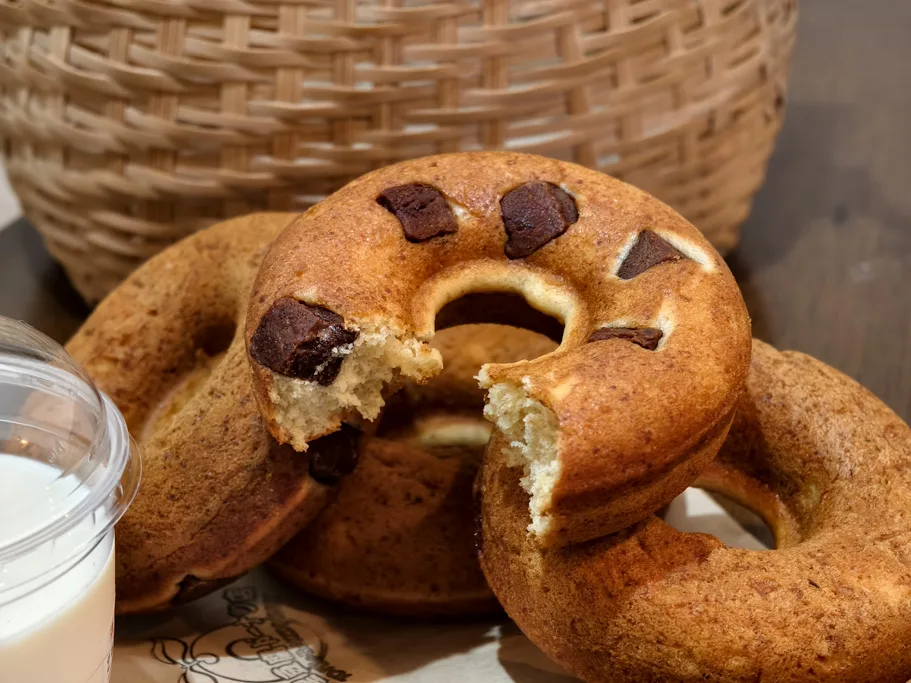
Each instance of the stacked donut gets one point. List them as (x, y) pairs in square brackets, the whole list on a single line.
[(290, 393)]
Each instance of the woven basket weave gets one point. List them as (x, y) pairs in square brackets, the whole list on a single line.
[(127, 124)]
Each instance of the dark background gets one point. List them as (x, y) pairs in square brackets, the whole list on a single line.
[(826, 256)]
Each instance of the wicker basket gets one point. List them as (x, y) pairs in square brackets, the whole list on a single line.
[(129, 123)]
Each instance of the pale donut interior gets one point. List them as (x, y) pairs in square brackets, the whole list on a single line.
[(532, 430), (448, 430), (376, 359)]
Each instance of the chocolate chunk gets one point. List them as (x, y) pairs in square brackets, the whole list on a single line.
[(421, 209), (533, 215), (646, 337), (648, 251), (297, 340), (335, 455), (193, 588)]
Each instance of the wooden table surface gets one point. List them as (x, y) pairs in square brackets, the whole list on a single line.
[(825, 261)]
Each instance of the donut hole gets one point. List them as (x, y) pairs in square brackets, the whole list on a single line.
[(699, 510), (442, 434), (214, 340), (446, 412), (434, 429), (750, 520), (500, 308), (437, 424), (531, 427), (207, 352), (525, 300)]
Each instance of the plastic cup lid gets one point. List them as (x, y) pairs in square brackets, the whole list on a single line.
[(71, 439)]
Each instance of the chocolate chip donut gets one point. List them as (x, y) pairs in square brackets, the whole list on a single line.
[(399, 537), (618, 420), (219, 495), (826, 465)]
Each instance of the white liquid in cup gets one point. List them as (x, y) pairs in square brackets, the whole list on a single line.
[(57, 601)]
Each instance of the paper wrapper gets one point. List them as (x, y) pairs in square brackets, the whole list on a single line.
[(259, 631)]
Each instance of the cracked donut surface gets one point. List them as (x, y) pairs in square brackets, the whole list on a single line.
[(615, 422)]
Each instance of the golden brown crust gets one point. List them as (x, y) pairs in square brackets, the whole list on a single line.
[(400, 536), (350, 255), (651, 604), (219, 495)]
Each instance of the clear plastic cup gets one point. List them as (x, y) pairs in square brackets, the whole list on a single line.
[(68, 472)]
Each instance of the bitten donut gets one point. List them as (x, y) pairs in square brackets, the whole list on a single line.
[(826, 465), (618, 420), (219, 495), (400, 536)]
